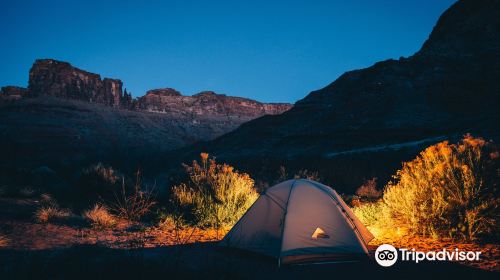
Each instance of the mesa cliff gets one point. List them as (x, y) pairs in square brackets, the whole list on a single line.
[(62, 80)]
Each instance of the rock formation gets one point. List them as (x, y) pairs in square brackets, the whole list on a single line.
[(13, 92), (206, 103), (62, 80)]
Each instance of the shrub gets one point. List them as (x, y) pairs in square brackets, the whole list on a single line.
[(283, 175), (27, 192), (375, 216), (97, 182), (99, 217), (174, 221), (448, 190), (133, 203), (369, 190), (306, 174), (50, 213), (215, 194), (4, 241)]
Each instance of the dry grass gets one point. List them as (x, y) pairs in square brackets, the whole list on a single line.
[(47, 214), (216, 195), (99, 217), (135, 202)]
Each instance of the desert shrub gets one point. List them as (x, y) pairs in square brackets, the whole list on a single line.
[(369, 190), (449, 190), (27, 192), (4, 241), (375, 216), (133, 202), (17, 191), (99, 217), (215, 195), (47, 199), (172, 220), (307, 174), (97, 182), (50, 213), (284, 175)]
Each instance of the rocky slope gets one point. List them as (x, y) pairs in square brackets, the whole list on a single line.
[(367, 121), (68, 117)]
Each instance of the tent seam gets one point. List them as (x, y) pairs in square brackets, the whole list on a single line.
[(284, 220)]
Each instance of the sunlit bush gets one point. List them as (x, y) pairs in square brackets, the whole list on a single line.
[(376, 217), (99, 217), (215, 194), (449, 190)]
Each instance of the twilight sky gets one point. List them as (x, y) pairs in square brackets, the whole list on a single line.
[(272, 51)]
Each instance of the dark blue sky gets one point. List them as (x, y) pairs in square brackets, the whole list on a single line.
[(273, 51)]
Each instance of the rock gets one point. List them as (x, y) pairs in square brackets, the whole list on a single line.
[(60, 79), (207, 103), (163, 92), (13, 92)]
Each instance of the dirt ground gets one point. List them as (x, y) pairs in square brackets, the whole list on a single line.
[(70, 249)]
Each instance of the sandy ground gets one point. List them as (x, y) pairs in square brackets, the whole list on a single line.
[(70, 249)]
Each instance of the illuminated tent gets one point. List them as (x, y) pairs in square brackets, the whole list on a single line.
[(300, 221)]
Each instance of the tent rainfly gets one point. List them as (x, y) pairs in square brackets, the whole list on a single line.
[(300, 221)]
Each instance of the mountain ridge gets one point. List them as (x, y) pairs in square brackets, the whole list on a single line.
[(446, 89)]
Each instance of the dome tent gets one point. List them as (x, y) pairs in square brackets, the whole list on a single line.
[(300, 221)]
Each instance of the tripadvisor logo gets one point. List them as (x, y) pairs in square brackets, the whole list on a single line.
[(386, 255)]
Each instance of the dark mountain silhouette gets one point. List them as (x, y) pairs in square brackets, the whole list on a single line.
[(367, 121)]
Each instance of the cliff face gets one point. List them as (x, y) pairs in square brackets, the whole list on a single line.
[(367, 121), (60, 79), (206, 103)]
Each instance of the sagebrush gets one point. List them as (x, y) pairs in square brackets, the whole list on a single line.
[(449, 190), (215, 194)]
